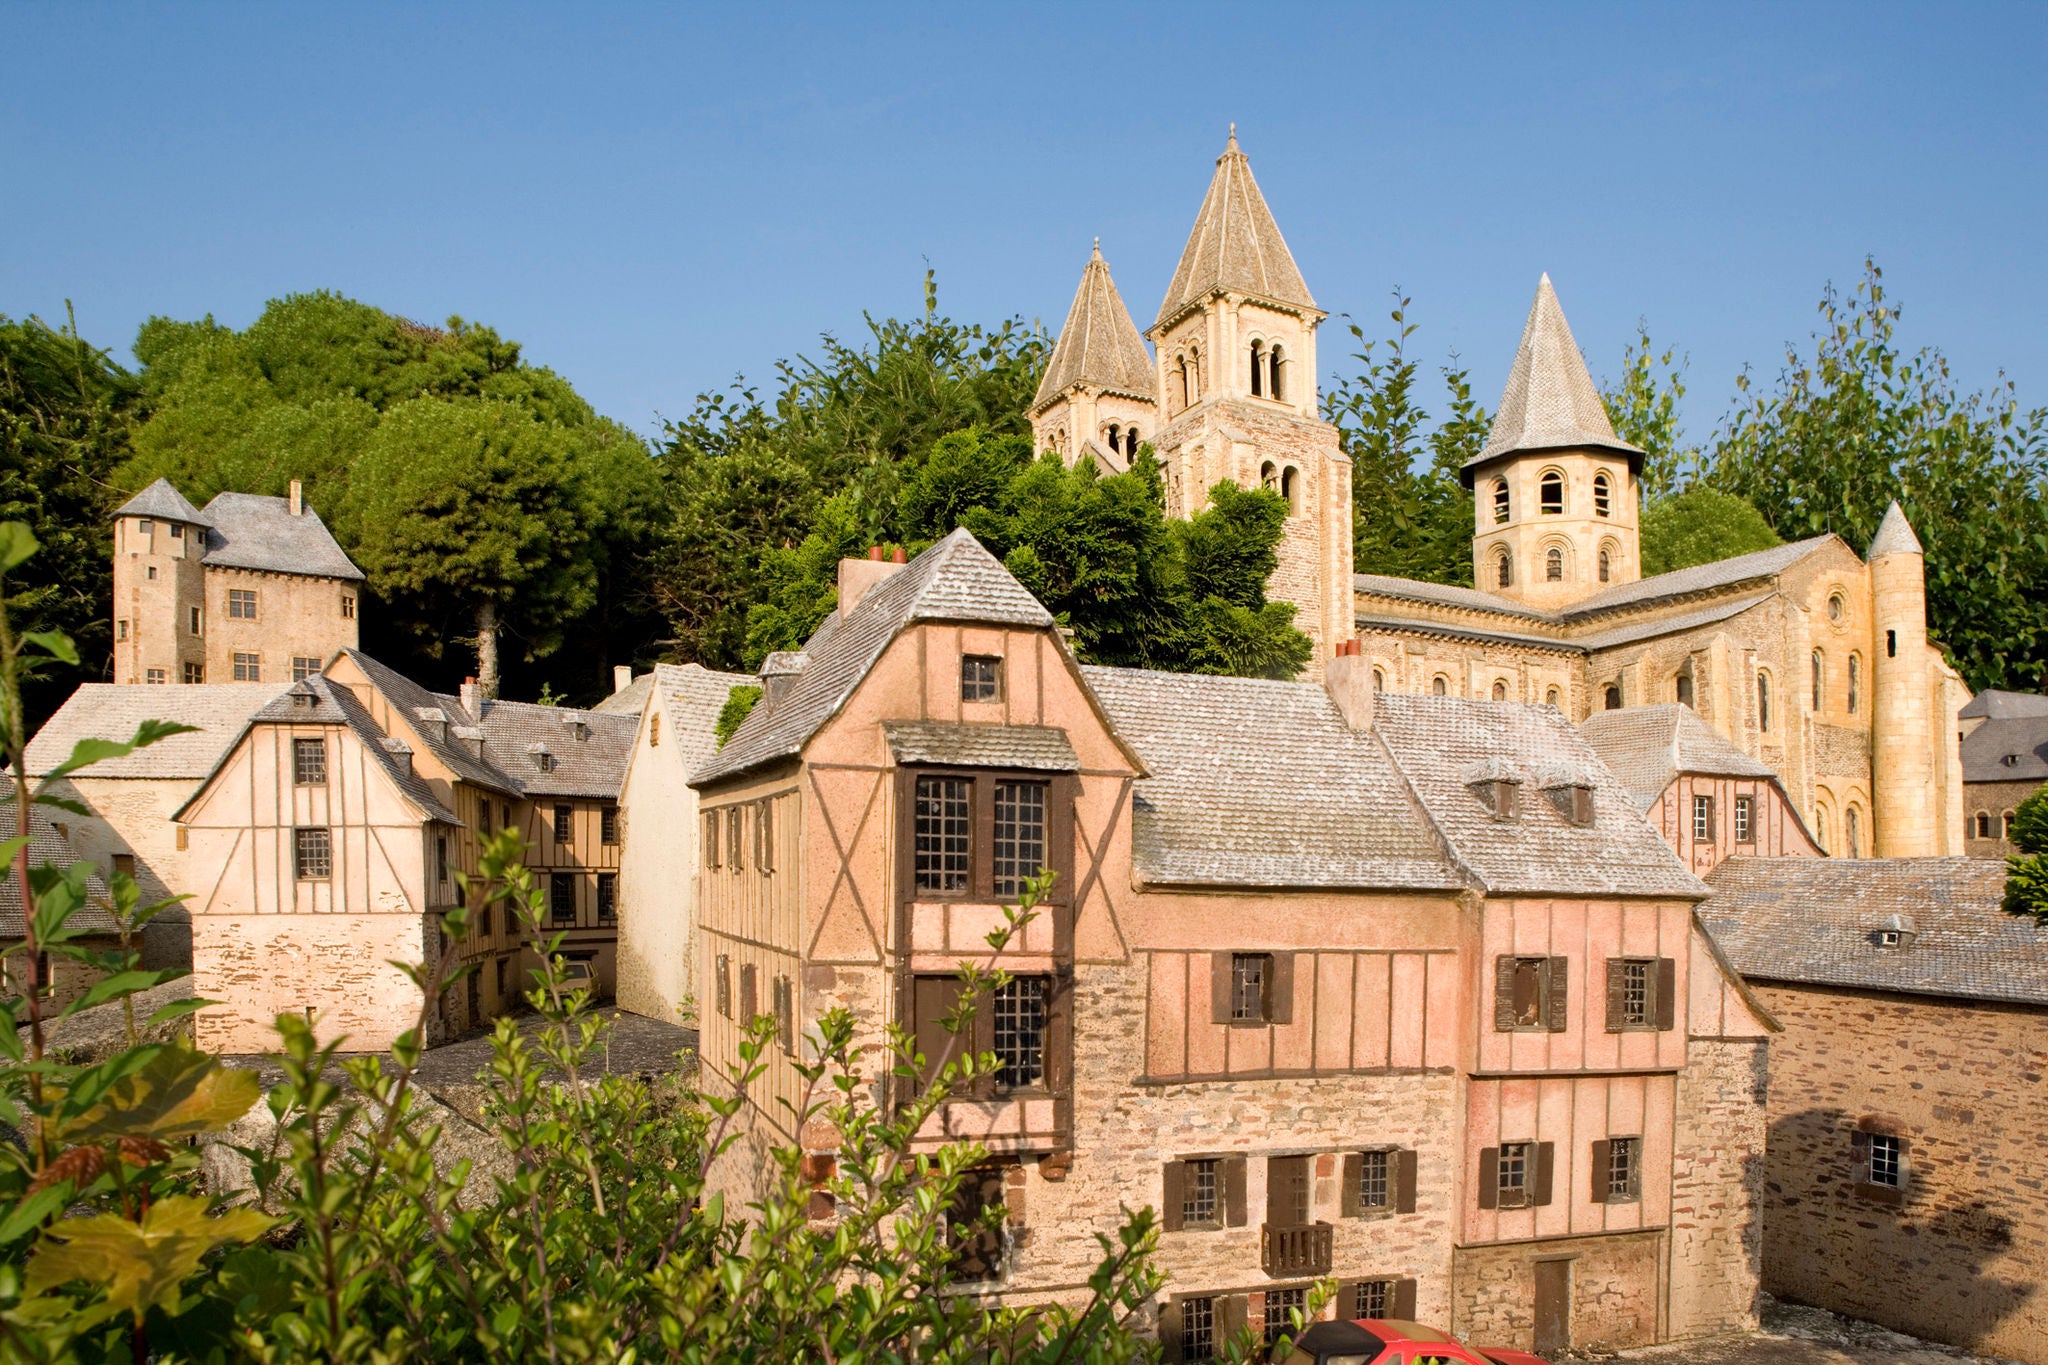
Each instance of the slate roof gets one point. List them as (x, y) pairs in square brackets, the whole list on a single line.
[(1100, 344), (1639, 631), (1038, 748), (589, 748), (1894, 535), (1648, 746), (1721, 573), (162, 500), (409, 699), (1549, 401), (694, 695), (47, 846), (629, 700), (316, 700), (954, 580), (1994, 704), (113, 710), (1235, 245), (1811, 920), (251, 531), (2014, 750), (1437, 740), (1443, 594)]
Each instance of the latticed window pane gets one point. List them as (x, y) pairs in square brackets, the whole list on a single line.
[(241, 604), (1372, 1180), (607, 897), (1745, 820), (1019, 834), (562, 896), (1513, 1174), (1375, 1298), (304, 666), (1703, 817), (309, 762), (1197, 1329), (1635, 992), (1020, 1031), (1886, 1165), (248, 668), (1199, 1196), (1281, 1305), (312, 853), (942, 833), (981, 678), (1623, 1168), (1248, 985)]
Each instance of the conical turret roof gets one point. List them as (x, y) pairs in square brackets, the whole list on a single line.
[(1549, 401), (163, 501), (1235, 245), (1100, 344), (1894, 535)]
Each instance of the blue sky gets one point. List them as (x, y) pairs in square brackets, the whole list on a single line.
[(654, 198)]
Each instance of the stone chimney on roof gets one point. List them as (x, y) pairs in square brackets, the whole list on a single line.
[(1348, 680), (858, 576), (472, 698), (298, 503), (622, 677)]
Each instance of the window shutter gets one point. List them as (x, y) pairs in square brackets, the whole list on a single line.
[(1219, 988), (1556, 998), (1231, 1312), (1169, 1330), (1404, 1182), (932, 998), (1280, 990), (748, 1002), (1354, 1172), (1059, 1037), (710, 837), (1489, 1178), (1504, 993), (1544, 1159), (983, 1041), (1173, 1196), (1859, 1158), (1602, 1169), (1346, 1302), (1233, 1192), (1667, 993), (1616, 980), (1404, 1300)]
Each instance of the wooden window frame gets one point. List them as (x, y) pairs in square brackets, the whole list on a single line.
[(1538, 1172), (933, 995), (1703, 822), (556, 881), (1233, 1208), (1399, 1194), (980, 888), (1745, 819), (1862, 1142), (1660, 1012), (1553, 993), (711, 840), (564, 827), (995, 683), (1395, 1299), (304, 853), (1276, 988), (608, 825), (244, 598), (607, 898), (309, 761), (1601, 1189)]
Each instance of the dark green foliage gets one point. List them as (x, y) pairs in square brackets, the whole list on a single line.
[(739, 704), (1698, 526), (2026, 875), (1408, 521), (2030, 824), (65, 413)]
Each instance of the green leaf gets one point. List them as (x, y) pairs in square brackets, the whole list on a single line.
[(177, 1093), (32, 1212), (177, 1009), (54, 643), (63, 803), (89, 751), (17, 543), (140, 1266), (119, 984)]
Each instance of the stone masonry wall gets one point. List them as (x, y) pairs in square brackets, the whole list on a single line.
[(264, 965), (1717, 1188), (1962, 1259), (1494, 1295)]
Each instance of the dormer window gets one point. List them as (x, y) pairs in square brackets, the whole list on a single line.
[(1574, 801), (576, 726), (1498, 796), (1894, 931), (542, 758)]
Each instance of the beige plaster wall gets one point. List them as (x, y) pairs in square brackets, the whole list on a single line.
[(131, 816), (658, 948), (296, 616)]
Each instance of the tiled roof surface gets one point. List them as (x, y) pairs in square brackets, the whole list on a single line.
[(1721, 573), (1894, 535), (589, 748), (1100, 344), (251, 531), (1812, 920), (47, 846), (954, 580), (1994, 704), (1442, 594), (1235, 244), (1549, 401), (1260, 783), (2013, 750), (1041, 748), (316, 700), (629, 700), (694, 695), (1647, 746), (1639, 631), (1436, 740), (160, 499), (409, 699), (113, 710)]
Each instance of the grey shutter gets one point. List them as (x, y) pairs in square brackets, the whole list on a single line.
[(1404, 1181), (1346, 1303), (748, 1001), (1219, 988), (1280, 990), (931, 999), (1174, 1196), (1354, 1173), (1404, 1300), (1504, 993), (1231, 1312), (1667, 993), (1169, 1330), (1545, 1156), (1556, 999), (1489, 1178), (1603, 1153), (1233, 1192), (1617, 981)]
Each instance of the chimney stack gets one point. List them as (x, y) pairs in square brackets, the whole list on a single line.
[(298, 503), (858, 576), (622, 677), (1348, 680), (472, 698)]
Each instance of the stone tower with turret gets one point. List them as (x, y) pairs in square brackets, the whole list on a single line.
[(1554, 489), (1903, 758), (1098, 399), (159, 588)]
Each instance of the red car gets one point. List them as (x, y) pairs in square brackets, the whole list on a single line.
[(1382, 1341)]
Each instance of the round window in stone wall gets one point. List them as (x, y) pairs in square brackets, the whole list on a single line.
[(1836, 608)]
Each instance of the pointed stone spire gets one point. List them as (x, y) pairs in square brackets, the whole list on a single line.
[(1235, 245), (1894, 535), (1100, 344), (1549, 402), (164, 502)]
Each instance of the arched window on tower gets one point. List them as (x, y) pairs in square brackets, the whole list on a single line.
[(1180, 379), (1439, 686), (1114, 432), (1763, 702), (1194, 373), (1551, 697), (1602, 499), (1819, 673), (1290, 489), (1258, 368), (1820, 828), (1279, 385), (1685, 689), (1500, 501), (1500, 691), (1379, 681), (1612, 699), (1606, 565), (1551, 501), (1855, 679), (1852, 832), (1553, 565), (1503, 568), (1269, 477)]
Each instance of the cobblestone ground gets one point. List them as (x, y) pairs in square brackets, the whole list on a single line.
[(1793, 1335)]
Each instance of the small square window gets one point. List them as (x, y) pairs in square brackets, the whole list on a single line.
[(248, 668), (1745, 819), (1887, 1161), (1635, 992), (1375, 1299), (309, 762), (981, 677), (1281, 1307), (304, 666), (152, 573), (562, 897), (1201, 1198), (312, 854), (348, 607), (1372, 1180), (177, 530), (154, 675), (608, 825), (195, 673), (1624, 1170), (1511, 1174), (241, 604), (145, 525), (1250, 974)]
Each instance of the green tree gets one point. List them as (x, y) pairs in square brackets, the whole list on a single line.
[(1698, 526), (1858, 422), (2026, 875), (1411, 516), (1643, 407), (65, 414)]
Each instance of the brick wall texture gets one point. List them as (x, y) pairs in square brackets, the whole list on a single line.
[(1717, 1191), (1965, 1084)]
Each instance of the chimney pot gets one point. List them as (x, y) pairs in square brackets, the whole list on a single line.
[(875, 553), (1348, 680), (622, 677), (472, 698), (298, 503), (897, 556)]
